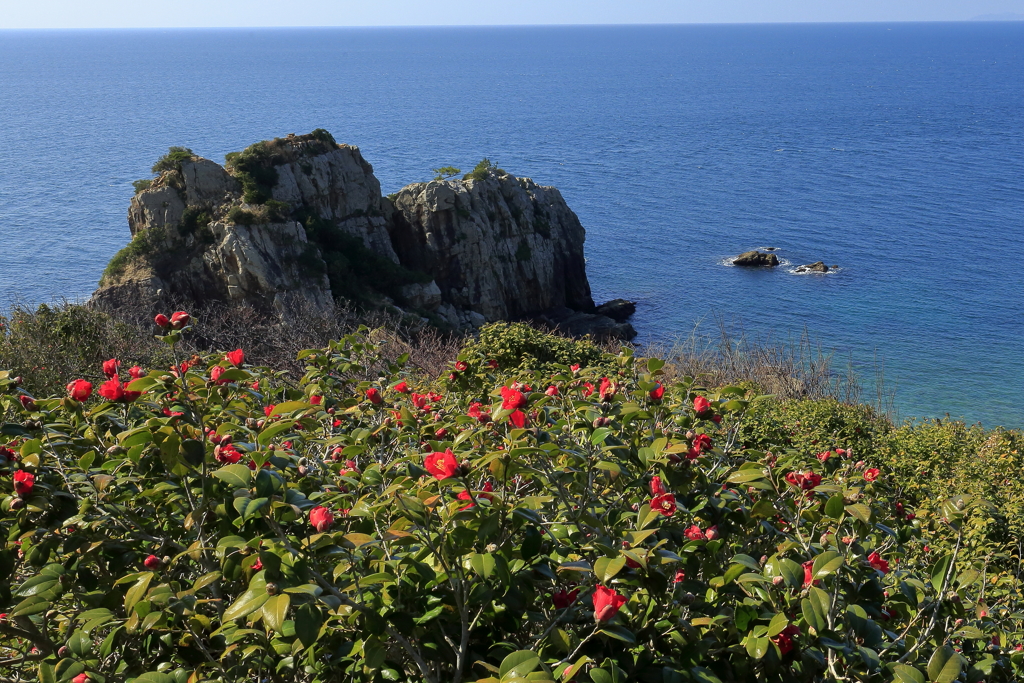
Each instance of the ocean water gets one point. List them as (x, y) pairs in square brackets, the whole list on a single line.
[(893, 150)]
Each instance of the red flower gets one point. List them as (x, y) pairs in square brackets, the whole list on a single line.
[(607, 389), (23, 482), (809, 573), (552, 390), (477, 413), (321, 518), (402, 388), (81, 678), (112, 390), (876, 561), (162, 320), (717, 419), (657, 393), (694, 533), (701, 405), (575, 367), (701, 442), (805, 481), (512, 399), (349, 469), (657, 488), (152, 563), (712, 533), (215, 372), (563, 599), (267, 410), (27, 402), (607, 603), (80, 389), (492, 364), (679, 577), (464, 495), (110, 367), (461, 365), (420, 401), (374, 396), (236, 357), (316, 399), (824, 456), (518, 418), (135, 372), (8, 454), (226, 453), (257, 565), (785, 639), (871, 474), (180, 319), (442, 465), (665, 504)]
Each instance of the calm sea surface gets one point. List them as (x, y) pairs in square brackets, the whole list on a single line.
[(895, 151)]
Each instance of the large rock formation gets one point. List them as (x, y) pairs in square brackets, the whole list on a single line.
[(298, 221)]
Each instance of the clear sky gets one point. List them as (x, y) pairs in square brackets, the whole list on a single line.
[(223, 13)]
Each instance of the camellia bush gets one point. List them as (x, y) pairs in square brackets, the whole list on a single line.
[(216, 521)]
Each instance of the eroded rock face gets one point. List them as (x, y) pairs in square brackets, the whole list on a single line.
[(756, 258), (816, 267), (503, 247), (471, 251)]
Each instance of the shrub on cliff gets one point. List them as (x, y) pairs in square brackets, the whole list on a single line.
[(172, 160), (518, 345), (216, 522)]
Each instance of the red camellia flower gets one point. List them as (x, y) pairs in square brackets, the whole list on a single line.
[(23, 482), (694, 533), (871, 474), (135, 372), (701, 443), (477, 412), (216, 372), (712, 533), (679, 577), (492, 364), (7, 454), (562, 599), (267, 410), (257, 565), (227, 454), (701, 405), (805, 480), (112, 390), (876, 561), (486, 493), (588, 389), (162, 320), (110, 367), (657, 488), (152, 562), (316, 399), (27, 402), (518, 418), (785, 639), (607, 603), (374, 396), (665, 504), (81, 678), (552, 390), (512, 399), (657, 393), (441, 465), (461, 365), (180, 319), (824, 456), (321, 518), (80, 389), (236, 357), (607, 389), (575, 367)]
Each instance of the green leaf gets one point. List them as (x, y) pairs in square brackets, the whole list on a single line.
[(599, 435), (250, 507), (289, 407), (618, 633), (812, 616), (939, 569), (154, 677), (30, 606), (247, 603), (518, 664), (733, 573), (777, 625), (826, 563), (907, 674), (744, 476), (483, 564), (834, 507), (235, 476), (275, 611), (308, 620), (702, 675), (137, 591), (268, 434), (944, 665), (860, 511), (792, 572), (605, 568)]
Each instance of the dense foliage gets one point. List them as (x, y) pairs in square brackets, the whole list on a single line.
[(584, 521)]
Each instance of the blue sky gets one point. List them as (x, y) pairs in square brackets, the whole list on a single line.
[(223, 13)]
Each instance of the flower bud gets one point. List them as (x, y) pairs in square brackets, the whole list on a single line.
[(687, 599), (271, 589), (777, 581)]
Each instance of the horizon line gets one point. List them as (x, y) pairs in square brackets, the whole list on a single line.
[(973, 20)]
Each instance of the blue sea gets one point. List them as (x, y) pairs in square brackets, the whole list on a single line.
[(893, 150)]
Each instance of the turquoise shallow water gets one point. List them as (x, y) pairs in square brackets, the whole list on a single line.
[(895, 151)]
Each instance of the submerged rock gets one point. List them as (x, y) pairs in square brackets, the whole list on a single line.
[(301, 220), (816, 267), (618, 310), (756, 258)]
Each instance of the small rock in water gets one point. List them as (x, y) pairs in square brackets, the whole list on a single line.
[(756, 258), (816, 267), (617, 309)]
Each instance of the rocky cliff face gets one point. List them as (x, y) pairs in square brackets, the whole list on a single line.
[(298, 221)]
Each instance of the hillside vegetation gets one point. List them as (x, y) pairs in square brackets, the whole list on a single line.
[(512, 507)]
